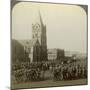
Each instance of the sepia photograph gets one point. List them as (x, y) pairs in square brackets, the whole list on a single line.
[(48, 44)]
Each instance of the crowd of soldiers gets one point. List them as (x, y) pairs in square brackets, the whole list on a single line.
[(70, 72), (24, 72)]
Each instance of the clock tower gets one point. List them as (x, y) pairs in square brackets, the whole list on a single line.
[(39, 40)]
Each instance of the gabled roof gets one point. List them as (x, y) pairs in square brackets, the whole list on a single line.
[(27, 43)]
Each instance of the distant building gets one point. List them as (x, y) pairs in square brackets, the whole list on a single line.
[(18, 53), (55, 54), (68, 54), (52, 54), (60, 54)]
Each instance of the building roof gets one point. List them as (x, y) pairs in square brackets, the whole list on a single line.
[(27, 43)]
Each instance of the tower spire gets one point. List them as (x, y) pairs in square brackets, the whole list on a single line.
[(40, 17)]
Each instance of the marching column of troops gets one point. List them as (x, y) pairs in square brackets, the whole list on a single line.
[(36, 71)]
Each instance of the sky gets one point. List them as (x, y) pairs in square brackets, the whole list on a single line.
[(66, 25)]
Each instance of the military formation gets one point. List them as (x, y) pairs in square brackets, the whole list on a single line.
[(70, 72), (25, 72)]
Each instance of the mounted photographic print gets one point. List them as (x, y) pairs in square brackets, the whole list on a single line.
[(48, 44)]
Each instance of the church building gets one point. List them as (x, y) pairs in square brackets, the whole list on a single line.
[(37, 47)]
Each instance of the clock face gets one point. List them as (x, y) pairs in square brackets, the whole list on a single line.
[(36, 30), (36, 27)]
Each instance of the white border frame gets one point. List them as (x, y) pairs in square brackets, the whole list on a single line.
[(5, 44)]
